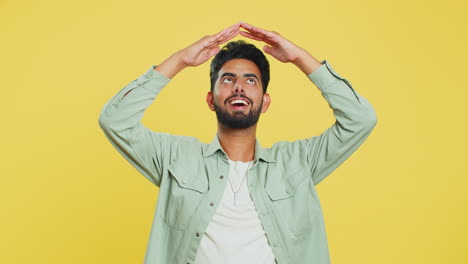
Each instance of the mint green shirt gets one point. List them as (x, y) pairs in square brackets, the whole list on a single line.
[(192, 175)]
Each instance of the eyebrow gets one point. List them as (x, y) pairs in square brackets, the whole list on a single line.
[(234, 75)]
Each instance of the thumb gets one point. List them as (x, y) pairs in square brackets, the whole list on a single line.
[(268, 49), (214, 51)]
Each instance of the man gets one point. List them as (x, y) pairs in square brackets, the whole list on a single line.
[(232, 201)]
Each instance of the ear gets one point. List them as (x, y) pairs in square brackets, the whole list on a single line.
[(209, 100), (266, 102)]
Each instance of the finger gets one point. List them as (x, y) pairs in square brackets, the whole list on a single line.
[(214, 39), (272, 40), (251, 36), (264, 33), (210, 42), (213, 44), (228, 30), (235, 27), (231, 36), (223, 34), (260, 32), (276, 33), (246, 26), (233, 30), (258, 37), (222, 31), (253, 29), (226, 37)]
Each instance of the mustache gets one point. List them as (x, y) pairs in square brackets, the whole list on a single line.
[(237, 95)]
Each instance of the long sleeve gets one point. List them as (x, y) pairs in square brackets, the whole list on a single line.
[(120, 119), (355, 119)]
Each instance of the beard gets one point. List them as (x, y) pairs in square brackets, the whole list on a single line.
[(238, 120)]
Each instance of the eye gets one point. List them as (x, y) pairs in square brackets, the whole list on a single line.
[(251, 81), (227, 80)]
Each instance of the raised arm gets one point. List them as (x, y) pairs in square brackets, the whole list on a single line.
[(355, 117), (120, 119)]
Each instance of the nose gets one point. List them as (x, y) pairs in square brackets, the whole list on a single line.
[(238, 88)]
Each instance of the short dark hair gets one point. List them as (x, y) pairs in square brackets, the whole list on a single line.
[(240, 50)]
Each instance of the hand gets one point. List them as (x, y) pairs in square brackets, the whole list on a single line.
[(281, 48), (278, 47), (207, 47), (197, 53)]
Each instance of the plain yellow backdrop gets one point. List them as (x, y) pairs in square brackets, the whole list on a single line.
[(67, 196)]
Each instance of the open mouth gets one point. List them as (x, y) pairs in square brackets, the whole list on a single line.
[(239, 103)]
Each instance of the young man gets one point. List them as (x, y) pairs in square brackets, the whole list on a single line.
[(232, 201)]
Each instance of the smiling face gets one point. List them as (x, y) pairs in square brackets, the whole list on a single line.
[(237, 96)]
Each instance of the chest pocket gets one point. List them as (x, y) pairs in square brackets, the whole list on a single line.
[(188, 179), (282, 185), (293, 199), (183, 195)]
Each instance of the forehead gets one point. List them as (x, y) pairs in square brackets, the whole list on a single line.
[(239, 67)]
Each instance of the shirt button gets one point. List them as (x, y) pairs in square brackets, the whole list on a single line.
[(211, 204), (197, 234), (221, 177), (275, 244)]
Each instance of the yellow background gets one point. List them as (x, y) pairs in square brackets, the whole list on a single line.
[(67, 196)]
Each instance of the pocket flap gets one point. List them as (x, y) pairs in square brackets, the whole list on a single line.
[(188, 179), (282, 185)]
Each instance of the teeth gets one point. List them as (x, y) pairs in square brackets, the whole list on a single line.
[(238, 102)]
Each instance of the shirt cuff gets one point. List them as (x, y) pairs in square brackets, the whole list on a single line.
[(324, 76)]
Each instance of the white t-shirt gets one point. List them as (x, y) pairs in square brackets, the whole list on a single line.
[(235, 234)]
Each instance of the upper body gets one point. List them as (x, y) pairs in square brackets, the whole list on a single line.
[(193, 176)]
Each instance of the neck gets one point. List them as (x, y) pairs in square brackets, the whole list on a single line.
[(239, 144)]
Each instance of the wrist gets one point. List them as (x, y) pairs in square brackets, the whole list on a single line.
[(306, 62), (178, 61), (171, 66)]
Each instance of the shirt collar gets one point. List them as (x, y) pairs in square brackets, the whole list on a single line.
[(260, 152)]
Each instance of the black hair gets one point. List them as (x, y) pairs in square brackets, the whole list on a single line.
[(240, 50)]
